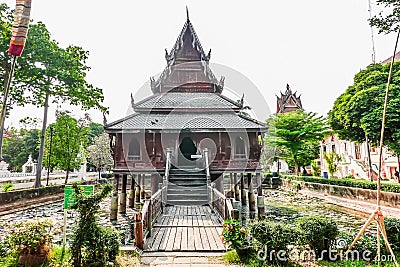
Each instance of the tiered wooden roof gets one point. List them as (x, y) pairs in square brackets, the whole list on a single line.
[(288, 101)]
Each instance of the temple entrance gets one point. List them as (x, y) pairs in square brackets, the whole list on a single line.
[(187, 148)]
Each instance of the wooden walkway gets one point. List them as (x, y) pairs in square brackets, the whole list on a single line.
[(186, 228)]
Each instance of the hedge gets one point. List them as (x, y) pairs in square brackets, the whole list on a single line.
[(388, 187)]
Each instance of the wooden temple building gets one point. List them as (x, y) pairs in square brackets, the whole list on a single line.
[(185, 135), (288, 101)]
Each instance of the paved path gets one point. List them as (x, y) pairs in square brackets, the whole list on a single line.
[(186, 228), (362, 207), (182, 259)]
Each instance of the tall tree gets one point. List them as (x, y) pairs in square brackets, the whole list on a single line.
[(358, 111), (69, 134), (295, 132), (99, 153), (385, 21)]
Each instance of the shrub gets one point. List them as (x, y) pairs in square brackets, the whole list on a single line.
[(32, 235), (392, 226), (7, 187), (234, 235), (318, 232), (364, 184), (273, 236), (92, 245)]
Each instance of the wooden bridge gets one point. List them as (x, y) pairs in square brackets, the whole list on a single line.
[(186, 213)]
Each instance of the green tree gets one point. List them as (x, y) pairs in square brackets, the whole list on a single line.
[(358, 111), (47, 73), (95, 130), (296, 132), (387, 22), (99, 153), (69, 134), (19, 146), (332, 159)]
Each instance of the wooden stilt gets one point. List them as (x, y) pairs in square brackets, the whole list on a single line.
[(251, 195), (242, 190), (114, 199), (143, 188), (260, 198), (137, 192), (237, 193), (131, 198), (122, 202)]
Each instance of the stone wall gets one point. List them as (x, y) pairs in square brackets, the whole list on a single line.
[(12, 196), (387, 198)]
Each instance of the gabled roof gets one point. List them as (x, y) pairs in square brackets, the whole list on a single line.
[(289, 101), (198, 59), (177, 121), (179, 100)]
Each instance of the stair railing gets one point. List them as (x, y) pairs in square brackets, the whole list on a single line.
[(208, 176), (166, 176)]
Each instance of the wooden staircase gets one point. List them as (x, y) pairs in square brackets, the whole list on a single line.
[(187, 187)]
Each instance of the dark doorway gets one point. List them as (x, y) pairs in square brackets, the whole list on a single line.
[(187, 148)]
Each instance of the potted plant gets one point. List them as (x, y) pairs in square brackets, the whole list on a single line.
[(32, 239), (236, 237)]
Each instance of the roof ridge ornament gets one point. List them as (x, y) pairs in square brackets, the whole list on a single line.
[(187, 14), (132, 101)]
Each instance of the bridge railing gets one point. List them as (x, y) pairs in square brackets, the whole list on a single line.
[(222, 205), (145, 219)]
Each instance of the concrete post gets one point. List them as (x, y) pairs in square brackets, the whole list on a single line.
[(131, 198), (114, 199), (242, 190), (260, 198), (122, 202), (251, 195), (237, 194)]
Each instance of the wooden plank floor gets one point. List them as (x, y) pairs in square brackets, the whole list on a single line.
[(186, 228)]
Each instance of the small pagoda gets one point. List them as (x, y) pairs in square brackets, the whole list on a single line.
[(288, 101), (186, 130)]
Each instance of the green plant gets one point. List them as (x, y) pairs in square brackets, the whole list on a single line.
[(7, 187), (317, 231), (234, 235), (358, 183), (32, 235), (392, 226), (332, 159), (296, 187), (315, 169), (231, 257), (92, 245), (59, 256)]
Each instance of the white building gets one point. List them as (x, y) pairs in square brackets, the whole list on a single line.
[(354, 159)]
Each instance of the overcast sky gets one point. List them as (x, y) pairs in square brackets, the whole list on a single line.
[(314, 45)]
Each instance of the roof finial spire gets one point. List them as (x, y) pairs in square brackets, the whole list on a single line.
[(187, 13)]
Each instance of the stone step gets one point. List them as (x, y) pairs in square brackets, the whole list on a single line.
[(186, 202), (185, 196)]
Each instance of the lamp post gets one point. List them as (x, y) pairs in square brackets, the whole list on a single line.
[(49, 156)]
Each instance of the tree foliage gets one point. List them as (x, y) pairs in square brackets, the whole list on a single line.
[(19, 146), (99, 152), (358, 111), (388, 19), (332, 159), (68, 135), (298, 133)]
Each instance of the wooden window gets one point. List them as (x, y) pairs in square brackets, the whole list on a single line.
[(134, 149), (240, 150)]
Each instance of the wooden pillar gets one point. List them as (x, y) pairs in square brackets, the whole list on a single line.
[(237, 194), (154, 183), (219, 184), (230, 193), (137, 192), (139, 242), (242, 191), (122, 202), (114, 199), (251, 195), (260, 198), (142, 188), (131, 197)]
